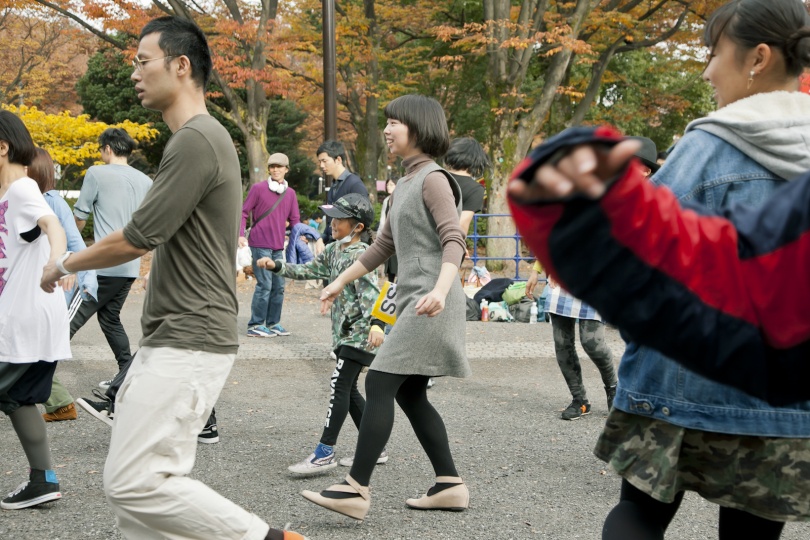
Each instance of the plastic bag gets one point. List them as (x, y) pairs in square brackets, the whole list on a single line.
[(499, 312), (243, 257)]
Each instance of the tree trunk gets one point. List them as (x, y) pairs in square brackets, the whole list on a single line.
[(371, 158), (257, 155), (503, 163), (514, 131)]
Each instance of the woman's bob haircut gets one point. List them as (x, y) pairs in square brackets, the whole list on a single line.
[(427, 126)]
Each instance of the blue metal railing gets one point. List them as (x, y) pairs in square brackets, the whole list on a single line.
[(474, 236)]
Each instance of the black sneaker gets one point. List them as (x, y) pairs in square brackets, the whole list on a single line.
[(576, 410), (210, 433), (41, 487), (103, 410), (611, 395)]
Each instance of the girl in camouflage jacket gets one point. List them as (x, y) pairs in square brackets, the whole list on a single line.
[(355, 334)]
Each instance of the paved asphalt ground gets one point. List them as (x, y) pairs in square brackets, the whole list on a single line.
[(530, 474)]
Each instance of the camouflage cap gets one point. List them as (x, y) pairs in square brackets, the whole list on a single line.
[(351, 205)]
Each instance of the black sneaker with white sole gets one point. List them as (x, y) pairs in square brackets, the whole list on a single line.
[(576, 410), (103, 409), (41, 487), (209, 433)]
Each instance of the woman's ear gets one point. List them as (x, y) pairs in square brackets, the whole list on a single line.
[(763, 58)]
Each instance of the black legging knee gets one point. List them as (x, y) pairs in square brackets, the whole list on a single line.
[(345, 399), (410, 393), (640, 517), (427, 424), (735, 524)]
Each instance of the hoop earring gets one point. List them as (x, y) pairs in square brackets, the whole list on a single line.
[(750, 79)]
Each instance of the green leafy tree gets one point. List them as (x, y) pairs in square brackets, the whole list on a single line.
[(107, 94), (650, 93), (284, 135)]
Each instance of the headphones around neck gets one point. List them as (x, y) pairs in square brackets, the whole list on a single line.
[(275, 187)]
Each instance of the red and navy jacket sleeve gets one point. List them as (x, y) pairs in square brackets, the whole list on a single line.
[(726, 294)]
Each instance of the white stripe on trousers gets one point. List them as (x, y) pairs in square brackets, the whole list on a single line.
[(75, 304)]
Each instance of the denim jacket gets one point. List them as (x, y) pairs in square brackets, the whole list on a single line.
[(705, 168)]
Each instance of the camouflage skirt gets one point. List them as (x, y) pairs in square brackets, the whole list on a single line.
[(764, 476)]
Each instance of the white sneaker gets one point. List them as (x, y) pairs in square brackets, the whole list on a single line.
[(349, 461), (105, 385), (313, 465)]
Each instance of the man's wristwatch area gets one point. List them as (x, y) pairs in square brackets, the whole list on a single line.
[(60, 263)]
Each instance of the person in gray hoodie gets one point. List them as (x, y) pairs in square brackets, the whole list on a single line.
[(672, 430)]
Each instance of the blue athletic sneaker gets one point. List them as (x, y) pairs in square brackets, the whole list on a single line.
[(260, 330), (322, 459), (278, 330)]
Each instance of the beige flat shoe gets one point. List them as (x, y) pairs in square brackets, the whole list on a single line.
[(455, 498), (354, 507)]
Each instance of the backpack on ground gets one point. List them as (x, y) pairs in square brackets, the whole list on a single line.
[(522, 311)]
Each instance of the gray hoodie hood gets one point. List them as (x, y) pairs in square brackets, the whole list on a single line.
[(771, 128)]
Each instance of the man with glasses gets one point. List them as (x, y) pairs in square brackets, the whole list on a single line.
[(270, 206), (190, 220), (111, 192)]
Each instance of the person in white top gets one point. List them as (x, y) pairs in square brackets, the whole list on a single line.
[(33, 324)]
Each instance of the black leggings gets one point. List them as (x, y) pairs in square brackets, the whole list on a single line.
[(410, 392), (640, 517), (344, 399)]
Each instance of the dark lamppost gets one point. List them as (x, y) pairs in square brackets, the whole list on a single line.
[(329, 72)]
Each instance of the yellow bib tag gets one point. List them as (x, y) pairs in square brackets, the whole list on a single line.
[(385, 308)]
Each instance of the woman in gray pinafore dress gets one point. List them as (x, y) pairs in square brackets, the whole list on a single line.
[(428, 339)]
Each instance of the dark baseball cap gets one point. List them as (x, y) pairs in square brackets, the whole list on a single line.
[(351, 205), (648, 153)]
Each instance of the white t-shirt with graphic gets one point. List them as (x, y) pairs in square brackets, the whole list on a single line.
[(33, 324)]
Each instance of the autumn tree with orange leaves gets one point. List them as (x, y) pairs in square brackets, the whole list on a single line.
[(243, 41), (383, 50), (41, 58), (531, 51)]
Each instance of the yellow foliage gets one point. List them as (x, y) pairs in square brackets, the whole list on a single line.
[(72, 140)]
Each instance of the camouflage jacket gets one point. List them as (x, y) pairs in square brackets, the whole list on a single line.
[(351, 312)]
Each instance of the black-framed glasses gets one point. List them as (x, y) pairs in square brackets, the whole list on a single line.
[(137, 63)]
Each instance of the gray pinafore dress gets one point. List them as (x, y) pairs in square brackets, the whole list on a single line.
[(422, 345)]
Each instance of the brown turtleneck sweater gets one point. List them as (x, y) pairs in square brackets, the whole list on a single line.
[(441, 204)]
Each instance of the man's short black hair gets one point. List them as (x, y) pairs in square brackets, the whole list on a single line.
[(333, 149), (424, 116), (465, 154), (181, 37), (21, 148), (118, 140)]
